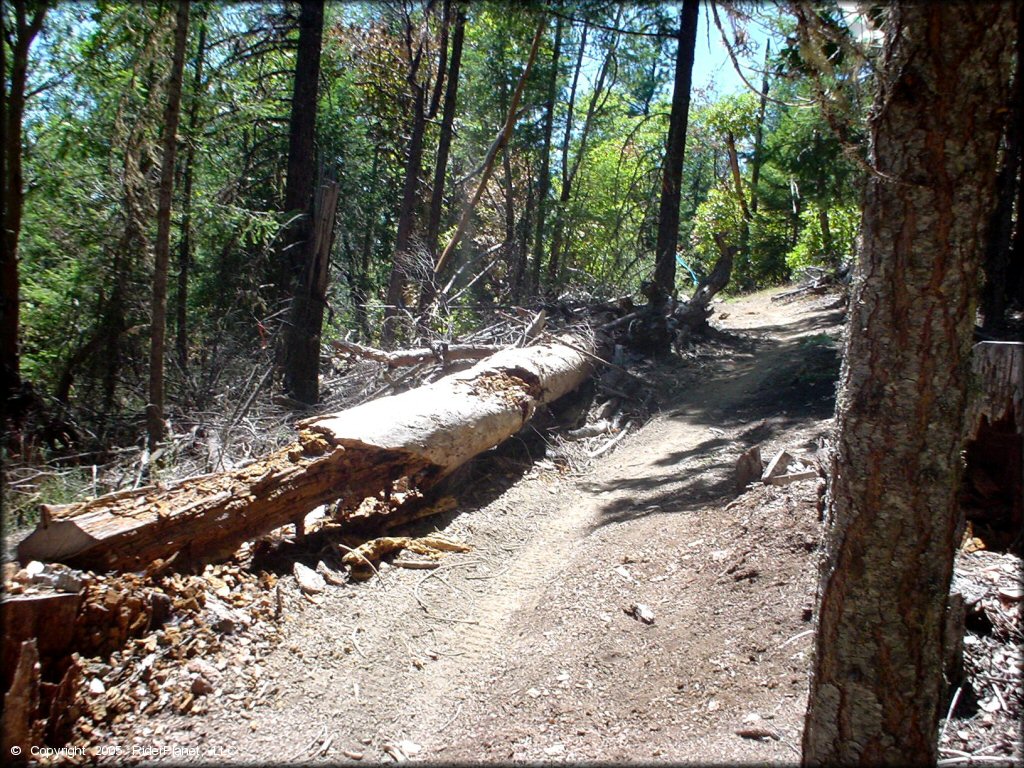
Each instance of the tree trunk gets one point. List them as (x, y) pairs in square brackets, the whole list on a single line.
[(302, 340), (310, 299), (444, 139), (359, 266), (13, 76), (442, 60), (403, 257), (156, 428), (741, 197), (827, 244), (675, 149), (566, 190), (758, 158), (544, 175), (522, 247), (406, 442), (188, 174), (500, 141), (508, 188), (892, 520), (301, 176), (998, 289)]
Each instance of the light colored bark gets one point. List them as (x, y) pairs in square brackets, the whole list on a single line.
[(410, 440)]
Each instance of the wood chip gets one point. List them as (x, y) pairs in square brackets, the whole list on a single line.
[(755, 732), (415, 564), (309, 580)]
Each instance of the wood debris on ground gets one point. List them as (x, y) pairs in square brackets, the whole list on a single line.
[(987, 704), (84, 652)]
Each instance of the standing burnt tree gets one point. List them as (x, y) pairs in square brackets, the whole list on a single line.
[(302, 349), (17, 31), (943, 92)]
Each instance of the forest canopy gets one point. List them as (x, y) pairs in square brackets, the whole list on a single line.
[(409, 98)]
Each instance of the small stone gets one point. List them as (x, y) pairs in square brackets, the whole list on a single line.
[(624, 573), (991, 705), (204, 668), (555, 749), (642, 612), (69, 581), (749, 468), (96, 686), (410, 747), (201, 686), (309, 580), (793, 477)]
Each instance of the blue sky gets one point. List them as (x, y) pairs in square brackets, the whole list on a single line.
[(712, 68)]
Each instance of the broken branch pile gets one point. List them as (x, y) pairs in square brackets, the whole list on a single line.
[(413, 439)]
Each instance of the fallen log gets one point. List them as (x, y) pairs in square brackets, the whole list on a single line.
[(441, 353), (408, 441)]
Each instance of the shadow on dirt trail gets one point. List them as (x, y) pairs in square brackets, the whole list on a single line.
[(787, 379)]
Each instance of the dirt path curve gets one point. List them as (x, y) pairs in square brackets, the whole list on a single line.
[(524, 649)]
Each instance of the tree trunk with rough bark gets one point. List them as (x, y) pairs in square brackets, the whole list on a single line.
[(28, 20), (301, 175), (553, 277), (544, 174), (404, 257), (302, 339), (310, 300), (998, 289), (892, 518), (156, 428), (444, 138), (675, 150), (188, 176)]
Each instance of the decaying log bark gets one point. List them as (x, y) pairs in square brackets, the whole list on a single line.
[(992, 490), (410, 440), (21, 728), (442, 353), (998, 386)]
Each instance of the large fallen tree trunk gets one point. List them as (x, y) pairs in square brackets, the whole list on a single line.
[(408, 441), (442, 353)]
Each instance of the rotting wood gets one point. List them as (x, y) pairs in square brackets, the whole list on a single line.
[(998, 389), (21, 728), (361, 559), (442, 353), (410, 440)]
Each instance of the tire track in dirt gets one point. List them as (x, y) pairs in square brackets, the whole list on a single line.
[(420, 656), (575, 512)]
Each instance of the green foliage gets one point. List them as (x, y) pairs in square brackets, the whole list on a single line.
[(91, 165), (718, 213), (810, 249)]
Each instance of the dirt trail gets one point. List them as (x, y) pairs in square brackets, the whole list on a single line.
[(523, 649)]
